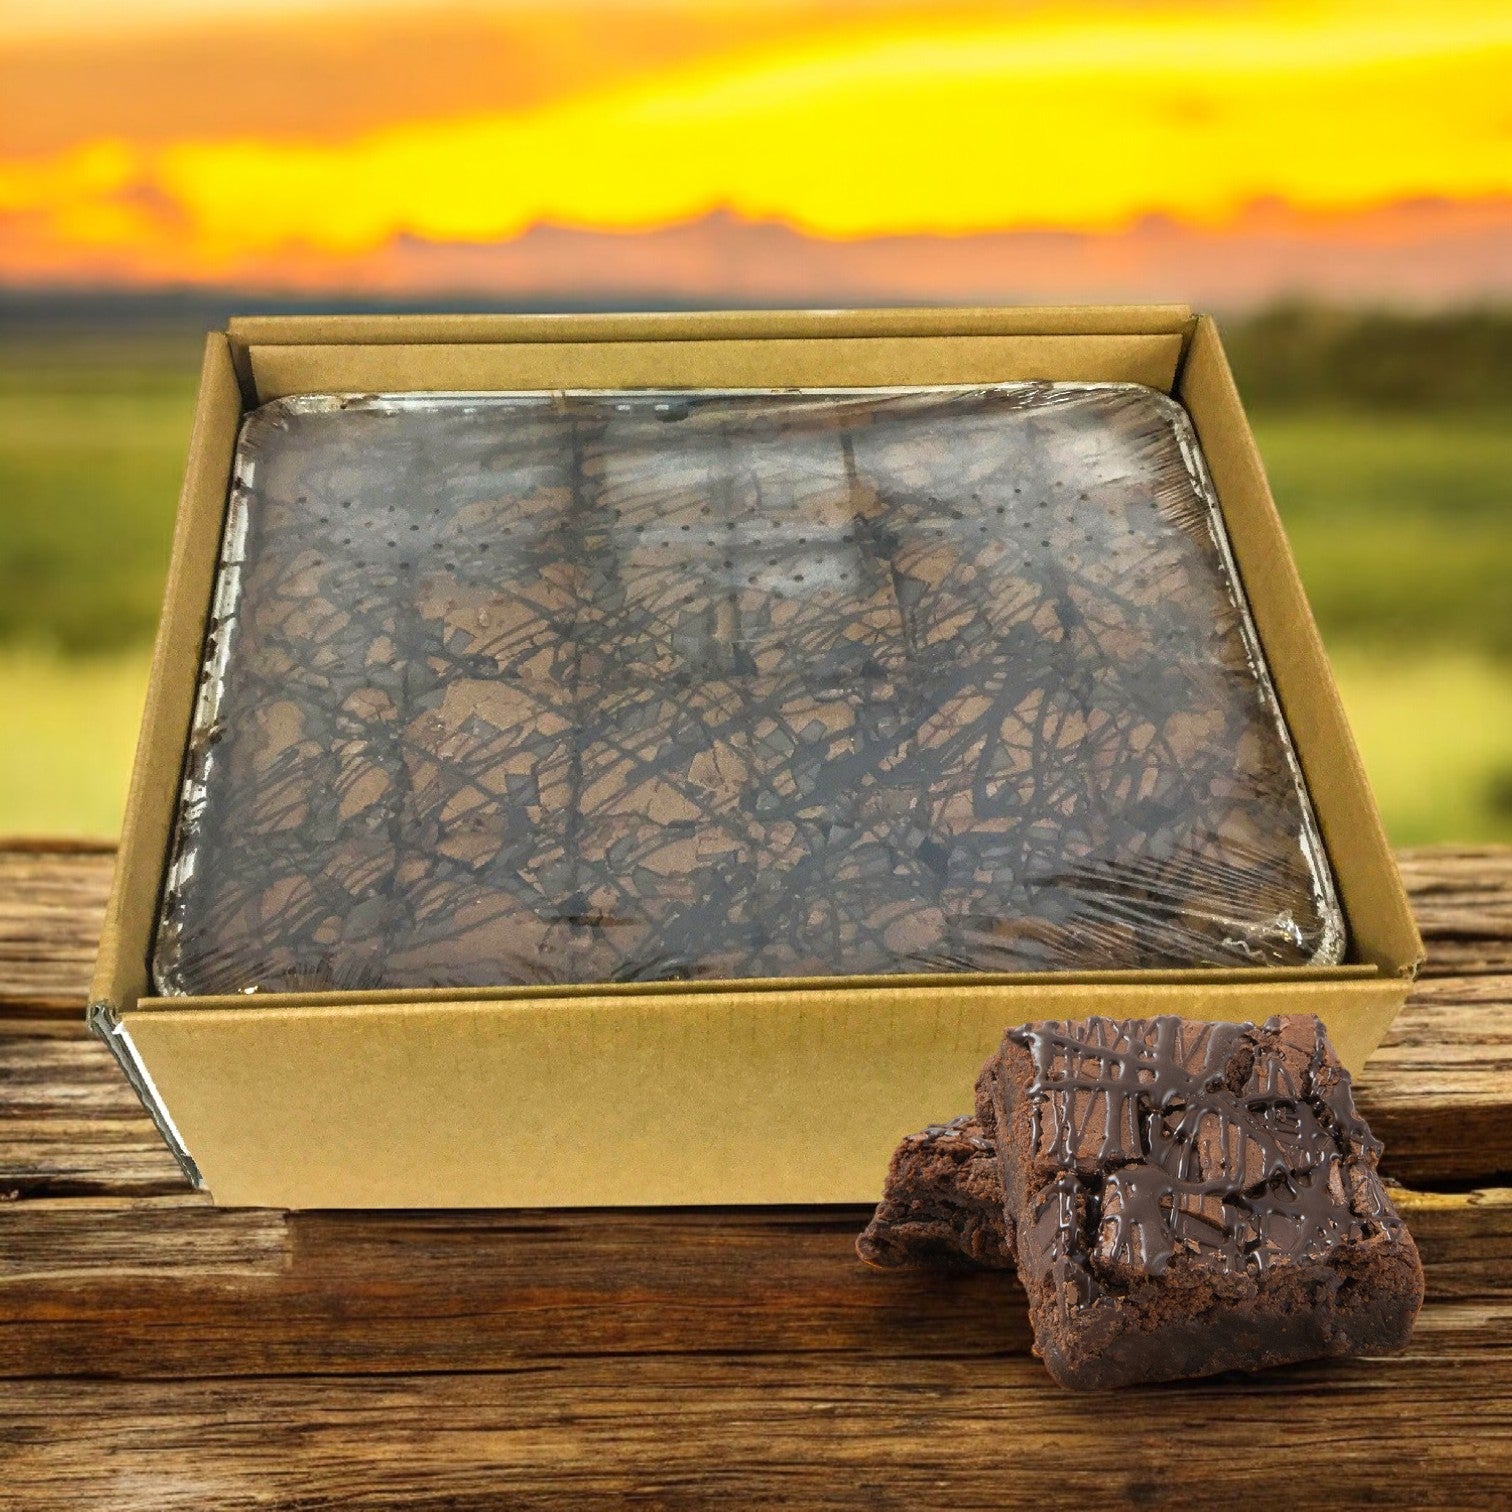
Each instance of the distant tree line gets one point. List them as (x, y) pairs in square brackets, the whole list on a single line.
[(1301, 355)]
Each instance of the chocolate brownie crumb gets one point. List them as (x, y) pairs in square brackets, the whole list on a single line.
[(943, 1203)]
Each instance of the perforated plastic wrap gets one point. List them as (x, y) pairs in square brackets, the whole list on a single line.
[(587, 687)]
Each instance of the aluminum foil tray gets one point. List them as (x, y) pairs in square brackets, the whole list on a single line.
[(592, 687)]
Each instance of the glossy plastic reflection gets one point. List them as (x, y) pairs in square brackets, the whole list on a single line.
[(603, 687)]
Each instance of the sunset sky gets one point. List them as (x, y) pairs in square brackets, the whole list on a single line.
[(763, 148)]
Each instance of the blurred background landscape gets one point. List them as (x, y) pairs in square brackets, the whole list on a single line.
[(1334, 180)]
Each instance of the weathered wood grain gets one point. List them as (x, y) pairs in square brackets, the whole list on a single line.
[(69, 1123), (158, 1352), (1462, 898), (820, 1432), (1439, 1090), (52, 899), (172, 1287)]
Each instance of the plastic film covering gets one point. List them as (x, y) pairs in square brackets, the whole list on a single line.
[(589, 687)]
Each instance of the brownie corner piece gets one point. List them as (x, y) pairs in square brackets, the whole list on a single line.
[(1191, 1197), (942, 1204)]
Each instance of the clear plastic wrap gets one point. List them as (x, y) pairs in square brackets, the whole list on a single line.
[(588, 687)]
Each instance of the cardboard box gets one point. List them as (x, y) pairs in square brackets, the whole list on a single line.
[(662, 1093)]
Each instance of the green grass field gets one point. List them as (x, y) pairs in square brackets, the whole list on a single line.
[(1400, 523), (92, 445)]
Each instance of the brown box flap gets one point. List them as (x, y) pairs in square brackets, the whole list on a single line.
[(842, 361)]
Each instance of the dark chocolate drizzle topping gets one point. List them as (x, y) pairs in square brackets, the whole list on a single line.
[(612, 688), (1164, 1142)]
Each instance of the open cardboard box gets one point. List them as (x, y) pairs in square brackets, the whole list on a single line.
[(660, 1093)]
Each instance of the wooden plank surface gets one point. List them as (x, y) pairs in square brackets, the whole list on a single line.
[(828, 1433), (157, 1352)]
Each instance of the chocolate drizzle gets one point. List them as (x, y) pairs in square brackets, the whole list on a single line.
[(588, 687), (1162, 1142)]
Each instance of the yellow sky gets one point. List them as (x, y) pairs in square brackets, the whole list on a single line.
[(892, 119)]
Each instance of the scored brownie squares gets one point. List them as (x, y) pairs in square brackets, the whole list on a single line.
[(943, 1202), (1189, 1198), (729, 544)]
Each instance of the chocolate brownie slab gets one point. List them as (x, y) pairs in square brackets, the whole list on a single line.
[(1190, 1198), (943, 1202), (589, 687)]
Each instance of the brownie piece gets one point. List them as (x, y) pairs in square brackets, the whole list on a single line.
[(943, 1202), (1190, 1197)]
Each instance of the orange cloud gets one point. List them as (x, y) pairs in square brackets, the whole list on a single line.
[(907, 124)]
